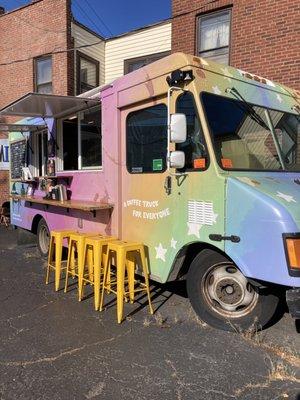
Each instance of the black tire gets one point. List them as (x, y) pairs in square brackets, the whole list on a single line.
[(201, 280), (43, 236)]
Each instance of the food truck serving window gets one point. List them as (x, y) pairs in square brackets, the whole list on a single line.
[(146, 140), (82, 140)]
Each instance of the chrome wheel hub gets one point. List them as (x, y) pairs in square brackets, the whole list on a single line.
[(228, 292)]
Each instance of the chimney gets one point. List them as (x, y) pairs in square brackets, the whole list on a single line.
[(2, 10)]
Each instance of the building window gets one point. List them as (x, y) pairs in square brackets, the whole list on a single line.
[(82, 141), (196, 156), (43, 75), (135, 63), (87, 73), (146, 140), (214, 36)]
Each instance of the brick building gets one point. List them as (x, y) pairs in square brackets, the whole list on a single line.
[(29, 34), (260, 37), (43, 49)]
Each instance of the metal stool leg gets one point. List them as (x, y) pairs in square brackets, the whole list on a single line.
[(97, 274), (120, 283), (130, 263), (50, 258), (146, 276), (58, 257), (105, 276), (71, 260), (81, 265)]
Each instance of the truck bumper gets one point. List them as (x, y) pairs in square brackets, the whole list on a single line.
[(293, 302)]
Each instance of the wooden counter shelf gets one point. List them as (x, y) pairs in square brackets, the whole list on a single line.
[(82, 205), (38, 178), (55, 177), (23, 180)]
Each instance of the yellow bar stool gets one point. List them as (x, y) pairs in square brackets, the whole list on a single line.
[(55, 254), (126, 255), (97, 245), (75, 264)]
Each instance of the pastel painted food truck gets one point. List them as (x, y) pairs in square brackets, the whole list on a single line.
[(198, 161)]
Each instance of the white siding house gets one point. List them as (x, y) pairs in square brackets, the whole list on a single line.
[(147, 41), (110, 58)]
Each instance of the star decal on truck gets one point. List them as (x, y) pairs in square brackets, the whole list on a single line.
[(286, 197), (227, 74), (194, 229), (160, 252), (216, 90), (173, 243)]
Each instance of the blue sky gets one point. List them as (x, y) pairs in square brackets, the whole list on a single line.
[(119, 16)]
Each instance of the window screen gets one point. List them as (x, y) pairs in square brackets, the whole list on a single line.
[(214, 36), (146, 140)]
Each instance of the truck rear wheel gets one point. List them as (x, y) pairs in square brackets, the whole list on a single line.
[(222, 296), (43, 238)]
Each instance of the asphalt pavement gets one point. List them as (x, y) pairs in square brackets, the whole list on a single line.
[(54, 347)]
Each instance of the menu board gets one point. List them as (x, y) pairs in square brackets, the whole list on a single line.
[(17, 158)]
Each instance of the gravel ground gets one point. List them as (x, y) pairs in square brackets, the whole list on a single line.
[(53, 347)]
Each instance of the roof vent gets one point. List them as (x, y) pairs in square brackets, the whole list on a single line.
[(2, 10)]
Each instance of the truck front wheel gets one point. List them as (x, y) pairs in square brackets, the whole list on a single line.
[(43, 238), (222, 296)]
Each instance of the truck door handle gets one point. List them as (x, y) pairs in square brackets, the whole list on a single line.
[(168, 185)]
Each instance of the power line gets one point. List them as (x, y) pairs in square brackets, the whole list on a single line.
[(87, 16), (101, 41), (53, 52), (98, 16)]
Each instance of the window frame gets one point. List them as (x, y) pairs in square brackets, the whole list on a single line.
[(198, 30), (35, 75), (79, 56), (60, 158), (156, 56), (126, 160), (200, 124), (228, 170)]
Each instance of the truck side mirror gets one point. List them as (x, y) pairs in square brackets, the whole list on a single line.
[(178, 128), (177, 159)]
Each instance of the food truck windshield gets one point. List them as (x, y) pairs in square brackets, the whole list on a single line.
[(251, 137)]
